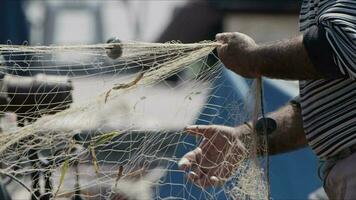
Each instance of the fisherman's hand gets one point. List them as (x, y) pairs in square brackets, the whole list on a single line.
[(217, 156), (237, 53)]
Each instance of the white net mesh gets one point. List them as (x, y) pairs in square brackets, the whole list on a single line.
[(104, 128)]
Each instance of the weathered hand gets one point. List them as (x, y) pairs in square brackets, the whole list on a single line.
[(216, 157), (236, 53)]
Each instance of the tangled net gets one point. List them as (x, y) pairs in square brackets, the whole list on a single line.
[(117, 132)]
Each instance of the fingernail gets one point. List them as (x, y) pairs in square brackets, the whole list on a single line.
[(214, 179), (183, 163), (192, 175)]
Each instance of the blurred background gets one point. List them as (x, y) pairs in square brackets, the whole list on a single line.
[(46, 22)]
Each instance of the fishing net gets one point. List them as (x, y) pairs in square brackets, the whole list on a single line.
[(107, 121)]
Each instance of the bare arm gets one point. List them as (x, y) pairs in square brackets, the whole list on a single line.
[(289, 134), (287, 59)]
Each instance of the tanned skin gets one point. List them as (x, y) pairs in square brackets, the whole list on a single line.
[(289, 134), (222, 148), (287, 59)]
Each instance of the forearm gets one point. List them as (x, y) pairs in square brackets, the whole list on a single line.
[(289, 134), (287, 59)]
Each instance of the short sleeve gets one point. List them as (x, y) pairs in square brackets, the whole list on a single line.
[(338, 21), (320, 52)]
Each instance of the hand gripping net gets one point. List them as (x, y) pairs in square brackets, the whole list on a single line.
[(117, 132)]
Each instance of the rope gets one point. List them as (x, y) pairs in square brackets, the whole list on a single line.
[(265, 134)]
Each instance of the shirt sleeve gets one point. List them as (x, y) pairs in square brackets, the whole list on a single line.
[(331, 44)]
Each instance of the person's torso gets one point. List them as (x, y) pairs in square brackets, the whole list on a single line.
[(328, 106)]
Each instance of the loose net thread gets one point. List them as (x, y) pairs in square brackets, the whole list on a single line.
[(80, 142)]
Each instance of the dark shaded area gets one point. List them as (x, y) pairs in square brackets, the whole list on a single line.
[(32, 97), (13, 24), (196, 21), (14, 28), (258, 6)]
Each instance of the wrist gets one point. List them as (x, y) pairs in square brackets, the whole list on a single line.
[(244, 130), (254, 61)]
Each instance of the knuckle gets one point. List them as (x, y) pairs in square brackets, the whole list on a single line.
[(198, 150)]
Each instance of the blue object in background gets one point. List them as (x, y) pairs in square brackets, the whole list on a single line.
[(292, 175), (14, 29), (13, 24)]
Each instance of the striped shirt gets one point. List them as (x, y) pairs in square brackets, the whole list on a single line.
[(329, 105)]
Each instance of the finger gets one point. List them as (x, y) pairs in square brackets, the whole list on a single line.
[(201, 178), (223, 37), (208, 181), (204, 181), (198, 127), (201, 130), (215, 181), (192, 176), (190, 158)]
